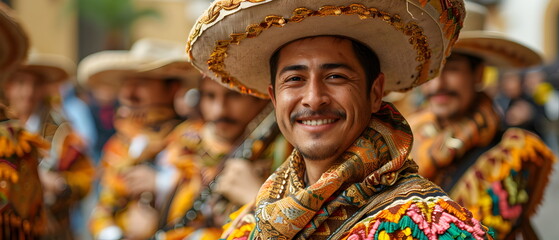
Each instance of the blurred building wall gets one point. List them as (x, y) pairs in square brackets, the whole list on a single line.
[(51, 28), (54, 29), (533, 23), (173, 24)]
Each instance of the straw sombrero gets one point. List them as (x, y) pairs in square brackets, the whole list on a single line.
[(493, 47), (233, 41), (13, 40), (51, 67), (150, 57)]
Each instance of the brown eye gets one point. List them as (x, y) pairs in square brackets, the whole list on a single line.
[(293, 79), (333, 76)]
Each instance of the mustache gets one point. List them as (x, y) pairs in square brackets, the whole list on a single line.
[(310, 113), (442, 92), (225, 120)]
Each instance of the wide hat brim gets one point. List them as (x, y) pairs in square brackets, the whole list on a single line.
[(234, 40), (112, 67), (496, 49), (52, 68)]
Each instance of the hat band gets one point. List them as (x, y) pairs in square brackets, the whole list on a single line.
[(216, 61)]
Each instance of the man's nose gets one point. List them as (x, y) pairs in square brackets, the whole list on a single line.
[(315, 95), (219, 107)]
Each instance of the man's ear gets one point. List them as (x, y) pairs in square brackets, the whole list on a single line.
[(377, 93), (272, 94)]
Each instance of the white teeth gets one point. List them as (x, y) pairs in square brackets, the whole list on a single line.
[(318, 122)]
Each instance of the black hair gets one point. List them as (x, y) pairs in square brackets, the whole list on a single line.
[(169, 81), (474, 61), (366, 56)]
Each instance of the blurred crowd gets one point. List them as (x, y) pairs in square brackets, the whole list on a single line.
[(137, 144)]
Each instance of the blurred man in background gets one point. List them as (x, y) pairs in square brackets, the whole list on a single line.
[(136, 179), (499, 174), (67, 172)]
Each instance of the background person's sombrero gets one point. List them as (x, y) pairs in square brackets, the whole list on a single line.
[(493, 47), (233, 41), (52, 68), (148, 57)]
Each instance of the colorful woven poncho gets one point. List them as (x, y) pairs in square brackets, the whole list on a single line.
[(373, 193)]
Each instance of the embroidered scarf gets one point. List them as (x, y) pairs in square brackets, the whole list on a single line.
[(438, 147), (286, 209)]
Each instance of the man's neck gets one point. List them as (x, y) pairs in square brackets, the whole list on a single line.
[(315, 169)]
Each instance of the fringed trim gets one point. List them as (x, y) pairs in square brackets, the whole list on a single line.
[(15, 142), (443, 220), (15, 228)]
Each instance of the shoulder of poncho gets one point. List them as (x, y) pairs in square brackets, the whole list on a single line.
[(518, 150)]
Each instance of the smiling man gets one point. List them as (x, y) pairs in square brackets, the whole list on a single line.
[(320, 96), (326, 66)]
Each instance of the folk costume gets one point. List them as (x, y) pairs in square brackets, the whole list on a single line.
[(374, 191), (67, 156), (498, 174), (141, 133), (196, 210), (21, 196)]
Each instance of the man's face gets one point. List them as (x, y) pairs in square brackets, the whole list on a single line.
[(228, 110), (140, 92), (321, 98), (25, 92), (511, 85), (452, 94)]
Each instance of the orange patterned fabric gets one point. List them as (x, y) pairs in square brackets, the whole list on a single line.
[(21, 197), (199, 157), (155, 124), (436, 148), (373, 178)]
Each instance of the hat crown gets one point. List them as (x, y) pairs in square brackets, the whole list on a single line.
[(150, 49), (495, 48), (476, 15), (54, 63), (157, 58)]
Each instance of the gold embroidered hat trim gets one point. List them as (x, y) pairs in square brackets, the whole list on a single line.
[(233, 41)]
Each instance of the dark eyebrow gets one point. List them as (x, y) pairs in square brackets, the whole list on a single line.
[(323, 66), (327, 66), (293, 68)]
